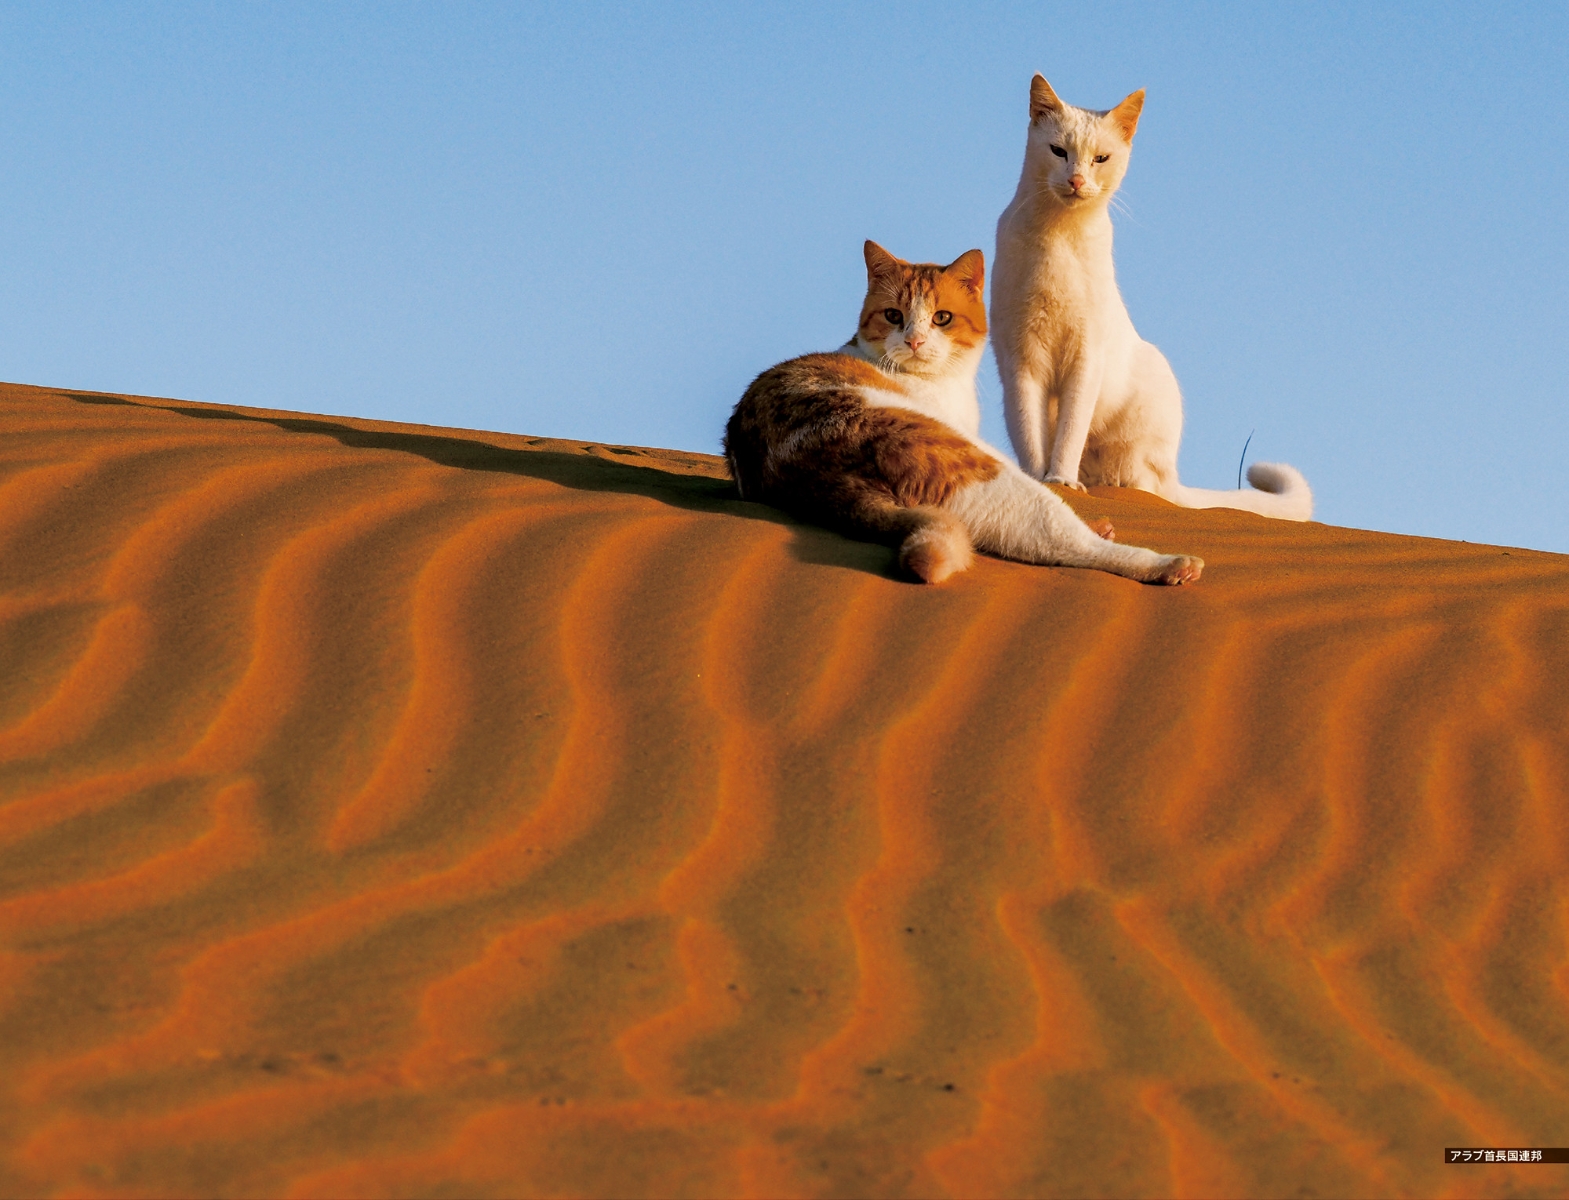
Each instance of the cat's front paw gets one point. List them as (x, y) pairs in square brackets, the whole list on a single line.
[(1067, 483)]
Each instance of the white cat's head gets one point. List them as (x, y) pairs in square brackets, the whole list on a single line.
[(1078, 156)]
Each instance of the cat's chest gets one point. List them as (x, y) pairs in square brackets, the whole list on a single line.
[(1072, 307), (1070, 279)]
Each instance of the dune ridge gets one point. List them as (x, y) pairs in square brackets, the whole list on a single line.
[(389, 810)]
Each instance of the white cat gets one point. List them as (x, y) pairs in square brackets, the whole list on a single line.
[(1088, 401)]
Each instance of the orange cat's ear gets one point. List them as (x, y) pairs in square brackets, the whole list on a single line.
[(1126, 115), (879, 261), (1042, 99), (970, 270)]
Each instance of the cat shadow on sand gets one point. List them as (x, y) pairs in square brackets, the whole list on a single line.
[(583, 472)]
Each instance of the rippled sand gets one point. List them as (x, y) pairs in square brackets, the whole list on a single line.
[(388, 810)]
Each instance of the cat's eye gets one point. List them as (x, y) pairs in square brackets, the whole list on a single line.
[(1059, 152), (1102, 157), (941, 317), (894, 317)]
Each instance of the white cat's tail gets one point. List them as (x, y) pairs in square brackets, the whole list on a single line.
[(1277, 491)]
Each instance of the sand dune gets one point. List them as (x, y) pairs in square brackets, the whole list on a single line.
[(388, 810)]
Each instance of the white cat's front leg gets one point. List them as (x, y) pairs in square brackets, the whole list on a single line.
[(1075, 411), (1024, 407)]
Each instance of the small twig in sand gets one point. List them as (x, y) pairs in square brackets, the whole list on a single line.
[(1244, 457)]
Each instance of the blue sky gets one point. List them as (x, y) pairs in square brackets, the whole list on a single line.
[(1347, 226)]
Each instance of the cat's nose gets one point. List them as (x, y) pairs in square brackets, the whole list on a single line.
[(1077, 181), (914, 342)]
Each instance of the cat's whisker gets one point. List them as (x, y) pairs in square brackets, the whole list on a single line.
[(1120, 203)]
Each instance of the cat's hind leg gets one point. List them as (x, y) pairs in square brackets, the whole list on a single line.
[(1013, 516)]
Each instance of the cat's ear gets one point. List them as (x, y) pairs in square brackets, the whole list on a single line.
[(1126, 115), (970, 271), (1042, 99), (879, 261)]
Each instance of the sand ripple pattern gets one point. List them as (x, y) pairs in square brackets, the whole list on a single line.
[(393, 811)]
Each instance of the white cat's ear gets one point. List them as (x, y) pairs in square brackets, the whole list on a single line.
[(970, 270), (1126, 115), (878, 260), (1042, 99)]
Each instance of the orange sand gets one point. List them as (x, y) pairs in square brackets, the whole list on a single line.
[(388, 810)]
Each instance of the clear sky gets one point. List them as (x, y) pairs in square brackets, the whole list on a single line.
[(1347, 224)]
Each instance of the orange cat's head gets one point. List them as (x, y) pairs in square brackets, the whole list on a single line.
[(922, 318)]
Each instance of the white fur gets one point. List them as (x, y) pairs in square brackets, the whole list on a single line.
[(1012, 515), (1087, 400), (940, 384)]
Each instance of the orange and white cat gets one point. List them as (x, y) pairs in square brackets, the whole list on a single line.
[(1087, 400), (880, 439)]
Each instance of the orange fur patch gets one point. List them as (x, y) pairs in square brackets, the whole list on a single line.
[(922, 460)]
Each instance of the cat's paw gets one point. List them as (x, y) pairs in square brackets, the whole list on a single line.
[(1179, 568), (1103, 528), (1060, 481)]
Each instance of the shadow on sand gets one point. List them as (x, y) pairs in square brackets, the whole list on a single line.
[(585, 472)]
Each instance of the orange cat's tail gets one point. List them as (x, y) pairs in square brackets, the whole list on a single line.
[(937, 549), (933, 543), (1277, 491)]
